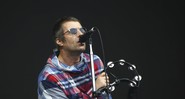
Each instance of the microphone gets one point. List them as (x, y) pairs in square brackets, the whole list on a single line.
[(86, 36)]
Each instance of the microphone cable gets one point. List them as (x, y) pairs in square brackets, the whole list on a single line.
[(104, 61)]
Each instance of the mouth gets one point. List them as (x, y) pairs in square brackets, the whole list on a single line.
[(81, 44)]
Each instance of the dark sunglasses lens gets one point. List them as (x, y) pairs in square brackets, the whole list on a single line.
[(73, 30), (83, 30)]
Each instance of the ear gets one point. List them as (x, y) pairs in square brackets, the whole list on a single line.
[(59, 42)]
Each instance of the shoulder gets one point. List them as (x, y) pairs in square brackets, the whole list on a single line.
[(49, 73)]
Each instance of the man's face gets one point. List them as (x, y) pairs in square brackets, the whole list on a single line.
[(71, 42)]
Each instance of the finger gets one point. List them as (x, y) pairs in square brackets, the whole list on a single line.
[(103, 73), (106, 77)]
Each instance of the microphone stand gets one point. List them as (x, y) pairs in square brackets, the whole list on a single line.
[(92, 66), (94, 92)]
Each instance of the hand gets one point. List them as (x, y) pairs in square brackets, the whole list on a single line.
[(101, 80)]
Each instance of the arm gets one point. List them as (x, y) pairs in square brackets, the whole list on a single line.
[(100, 83), (101, 78)]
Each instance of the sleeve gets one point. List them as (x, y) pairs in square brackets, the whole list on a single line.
[(104, 95), (49, 90), (99, 63)]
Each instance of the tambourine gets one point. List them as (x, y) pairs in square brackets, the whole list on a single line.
[(133, 78)]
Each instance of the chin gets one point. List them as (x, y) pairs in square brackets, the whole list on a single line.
[(82, 50)]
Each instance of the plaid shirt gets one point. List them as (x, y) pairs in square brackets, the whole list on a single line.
[(59, 81)]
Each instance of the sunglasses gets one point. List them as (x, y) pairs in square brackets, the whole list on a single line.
[(75, 30)]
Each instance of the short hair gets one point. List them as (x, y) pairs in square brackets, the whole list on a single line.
[(57, 30)]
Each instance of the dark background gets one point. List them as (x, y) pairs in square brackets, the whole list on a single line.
[(147, 33)]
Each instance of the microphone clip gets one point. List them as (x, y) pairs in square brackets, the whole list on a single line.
[(83, 38)]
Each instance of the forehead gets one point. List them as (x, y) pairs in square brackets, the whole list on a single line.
[(71, 24)]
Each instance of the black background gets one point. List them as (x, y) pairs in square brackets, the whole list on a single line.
[(147, 33)]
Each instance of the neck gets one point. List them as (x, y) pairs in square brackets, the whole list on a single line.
[(69, 58)]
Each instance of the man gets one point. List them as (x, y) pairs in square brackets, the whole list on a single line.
[(67, 74)]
